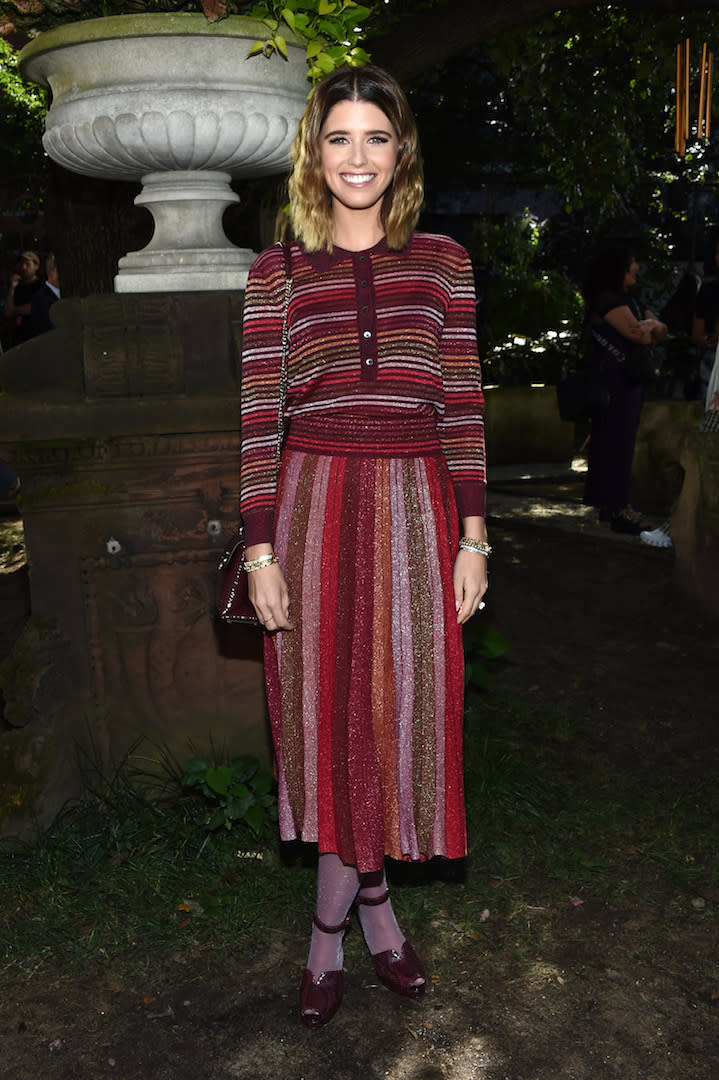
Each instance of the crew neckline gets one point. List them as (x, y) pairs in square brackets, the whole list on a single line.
[(325, 260)]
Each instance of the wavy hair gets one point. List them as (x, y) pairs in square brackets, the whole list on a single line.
[(310, 199)]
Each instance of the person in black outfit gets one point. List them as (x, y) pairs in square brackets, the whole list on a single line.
[(616, 322), (706, 318), (23, 286), (44, 298)]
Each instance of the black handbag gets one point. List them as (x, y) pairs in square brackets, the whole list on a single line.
[(231, 593), (582, 394)]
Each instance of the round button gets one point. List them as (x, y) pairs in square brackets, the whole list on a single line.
[(365, 307), (363, 284), (367, 334), (369, 361)]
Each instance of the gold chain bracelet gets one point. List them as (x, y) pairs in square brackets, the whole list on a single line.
[(468, 543), (259, 563)]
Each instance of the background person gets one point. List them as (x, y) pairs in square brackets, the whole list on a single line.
[(23, 285), (362, 581), (706, 317), (616, 322), (44, 298)]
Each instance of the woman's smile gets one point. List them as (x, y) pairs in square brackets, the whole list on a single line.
[(357, 180)]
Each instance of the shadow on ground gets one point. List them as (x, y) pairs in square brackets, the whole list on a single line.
[(626, 990)]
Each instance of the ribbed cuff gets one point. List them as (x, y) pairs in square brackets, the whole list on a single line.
[(259, 527), (471, 500)]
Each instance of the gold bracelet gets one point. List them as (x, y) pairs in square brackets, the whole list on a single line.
[(259, 563), (468, 543)]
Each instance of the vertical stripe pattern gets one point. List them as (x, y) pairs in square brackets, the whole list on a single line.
[(365, 694)]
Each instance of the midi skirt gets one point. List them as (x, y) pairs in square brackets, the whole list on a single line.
[(365, 695)]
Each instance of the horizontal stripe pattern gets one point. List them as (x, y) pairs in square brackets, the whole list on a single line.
[(384, 334), (365, 695)]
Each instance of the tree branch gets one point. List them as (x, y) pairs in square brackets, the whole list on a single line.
[(420, 42)]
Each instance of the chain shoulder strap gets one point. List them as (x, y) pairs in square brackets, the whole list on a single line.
[(284, 376)]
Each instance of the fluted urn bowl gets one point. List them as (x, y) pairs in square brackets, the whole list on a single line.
[(172, 101)]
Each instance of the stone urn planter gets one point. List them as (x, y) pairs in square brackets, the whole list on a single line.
[(172, 101)]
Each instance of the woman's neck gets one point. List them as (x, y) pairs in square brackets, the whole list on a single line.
[(356, 231)]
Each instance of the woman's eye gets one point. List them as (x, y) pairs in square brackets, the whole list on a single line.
[(337, 139)]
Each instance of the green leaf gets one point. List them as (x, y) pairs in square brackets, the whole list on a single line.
[(238, 807), (194, 772), (289, 18), (281, 45), (326, 8), (257, 48), (263, 782), (218, 819), (219, 779), (325, 63), (244, 768), (255, 818)]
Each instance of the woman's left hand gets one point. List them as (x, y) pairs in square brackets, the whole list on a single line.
[(470, 583)]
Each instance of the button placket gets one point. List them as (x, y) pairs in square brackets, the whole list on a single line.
[(366, 317)]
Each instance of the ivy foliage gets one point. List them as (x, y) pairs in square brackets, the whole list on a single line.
[(330, 30), (23, 111)]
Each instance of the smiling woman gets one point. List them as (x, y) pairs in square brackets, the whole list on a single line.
[(357, 569), (311, 197), (359, 155)]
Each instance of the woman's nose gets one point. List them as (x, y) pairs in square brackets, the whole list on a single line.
[(359, 153)]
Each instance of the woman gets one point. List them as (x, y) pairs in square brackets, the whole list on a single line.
[(616, 323), (706, 317), (362, 583)]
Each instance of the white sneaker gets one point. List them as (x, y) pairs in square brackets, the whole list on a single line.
[(656, 538)]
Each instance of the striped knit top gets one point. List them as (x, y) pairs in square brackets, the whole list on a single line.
[(381, 342)]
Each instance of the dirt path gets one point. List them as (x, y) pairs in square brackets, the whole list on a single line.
[(626, 991)]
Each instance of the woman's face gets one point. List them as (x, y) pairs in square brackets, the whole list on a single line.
[(358, 148), (630, 275)]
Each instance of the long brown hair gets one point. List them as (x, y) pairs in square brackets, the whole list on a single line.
[(310, 200)]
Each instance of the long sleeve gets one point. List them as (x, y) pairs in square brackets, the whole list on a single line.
[(260, 393), (387, 335), (461, 421)]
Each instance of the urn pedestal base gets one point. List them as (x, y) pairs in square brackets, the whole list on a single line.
[(189, 251)]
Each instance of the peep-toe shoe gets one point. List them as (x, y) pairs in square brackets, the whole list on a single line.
[(398, 971), (321, 995)]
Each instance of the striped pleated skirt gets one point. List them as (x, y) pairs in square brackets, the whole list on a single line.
[(366, 694)]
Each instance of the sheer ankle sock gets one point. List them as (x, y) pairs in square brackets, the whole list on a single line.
[(379, 924), (337, 887), (396, 963)]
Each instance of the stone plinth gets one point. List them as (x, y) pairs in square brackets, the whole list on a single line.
[(522, 424), (695, 522), (677, 466), (125, 425)]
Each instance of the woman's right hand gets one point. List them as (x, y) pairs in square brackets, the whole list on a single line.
[(268, 592)]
